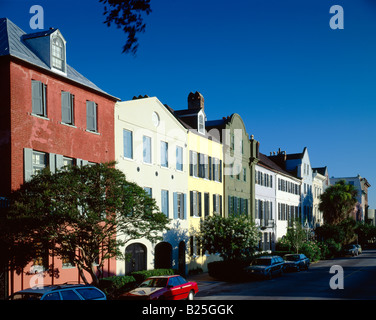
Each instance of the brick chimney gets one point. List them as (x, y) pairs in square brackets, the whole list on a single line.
[(195, 100)]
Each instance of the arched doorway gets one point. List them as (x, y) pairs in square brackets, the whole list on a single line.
[(137, 261), (182, 263), (163, 256)]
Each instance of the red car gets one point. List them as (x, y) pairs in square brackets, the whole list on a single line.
[(163, 288)]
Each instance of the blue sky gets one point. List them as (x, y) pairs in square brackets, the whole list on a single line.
[(295, 82)]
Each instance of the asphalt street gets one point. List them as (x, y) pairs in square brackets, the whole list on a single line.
[(359, 283)]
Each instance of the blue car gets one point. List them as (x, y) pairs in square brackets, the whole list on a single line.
[(60, 292)]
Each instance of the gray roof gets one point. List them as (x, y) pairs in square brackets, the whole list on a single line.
[(12, 44)]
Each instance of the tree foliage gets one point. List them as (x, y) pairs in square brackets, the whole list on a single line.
[(296, 236), (232, 237), (83, 214), (127, 15), (337, 202)]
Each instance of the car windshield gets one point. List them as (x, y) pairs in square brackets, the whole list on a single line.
[(262, 262), (294, 257), (154, 282), (26, 296)]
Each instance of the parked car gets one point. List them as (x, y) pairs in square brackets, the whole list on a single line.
[(266, 267), (296, 262), (60, 292), (350, 249), (360, 250), (163, 288)]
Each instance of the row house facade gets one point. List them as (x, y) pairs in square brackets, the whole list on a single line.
[(277, 201), (151, 149), (320, 183), (50, 116), (361, 184)]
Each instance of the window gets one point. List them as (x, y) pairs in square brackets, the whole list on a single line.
[(217, 204), (244, 174), (164, 202), (206, 204), (68, 162), (128, 144), (69, 295), (164, 154), (67, 107), (91, 116), (58, 53), (195, 202), (38, 96), (201, 125), (179, 158), (39, 161), (148, 191), (193, 164), (52, 296), (90, 293), (147, 149), (179, 205)]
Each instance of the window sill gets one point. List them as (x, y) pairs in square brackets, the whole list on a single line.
[(93, 132), (38, 116), (68, 125)]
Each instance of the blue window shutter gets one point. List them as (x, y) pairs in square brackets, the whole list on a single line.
[(28, 164), (164, 194), (175, 205), (184, 206)]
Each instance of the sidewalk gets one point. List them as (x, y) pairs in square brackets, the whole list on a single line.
[(205, 282)]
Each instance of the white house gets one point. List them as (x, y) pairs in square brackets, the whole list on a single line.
[(151, 149), (265, 202), (320, 183)]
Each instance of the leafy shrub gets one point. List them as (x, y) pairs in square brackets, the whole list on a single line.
[(144, 274), (311, 249), (116, 285)]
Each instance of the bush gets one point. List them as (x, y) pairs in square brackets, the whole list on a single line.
[(116, 285), (144, 274), (311, 249)]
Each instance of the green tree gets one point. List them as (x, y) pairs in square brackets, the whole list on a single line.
[(127, 15), (232, 237), (296, 236), (337, 202), (83, 214)]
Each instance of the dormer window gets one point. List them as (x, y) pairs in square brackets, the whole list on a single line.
[(58, 53), (201, 124)]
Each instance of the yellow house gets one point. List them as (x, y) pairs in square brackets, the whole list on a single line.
[(205, 182)]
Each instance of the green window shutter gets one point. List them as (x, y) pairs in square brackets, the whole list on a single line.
[(199, 205), (191, 203), (28, 164)]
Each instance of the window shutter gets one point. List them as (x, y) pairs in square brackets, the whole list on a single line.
[(91, 116), (199, 205), (37, 97), (220, 205), (59, 161), (211, 175), (66, 113), (214, 203), (28, 164), (191, 202), (175, 196), (184, 206), (220, 170), (52, 162)]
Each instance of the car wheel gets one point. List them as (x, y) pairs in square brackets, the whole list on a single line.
[(191, 295), (297, 268)]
